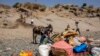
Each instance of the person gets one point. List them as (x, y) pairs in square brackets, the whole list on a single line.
[(32, 22), (45, 33), (77, 28)]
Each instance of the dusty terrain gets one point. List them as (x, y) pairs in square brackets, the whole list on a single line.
[(20, 38), (13, 40)]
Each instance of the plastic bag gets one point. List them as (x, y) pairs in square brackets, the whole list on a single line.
[(96, 51), (26, 53), (44, 49), (80, 48)]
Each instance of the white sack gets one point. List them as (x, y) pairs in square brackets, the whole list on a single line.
[(96, 51), (44, 49), (76, 41)]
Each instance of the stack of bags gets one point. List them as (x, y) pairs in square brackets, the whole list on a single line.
[(78, 43)]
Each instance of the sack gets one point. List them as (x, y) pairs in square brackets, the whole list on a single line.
[(44, 49), (71, 41), (76, 41), (96, 51), (80, 48)]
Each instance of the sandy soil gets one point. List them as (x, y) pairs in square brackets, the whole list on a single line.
[(15, 40)]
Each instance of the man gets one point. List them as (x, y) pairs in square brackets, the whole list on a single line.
[(32, 22), (45, 33)]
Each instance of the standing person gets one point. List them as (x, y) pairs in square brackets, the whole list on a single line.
[(32, 22), (77, 28)]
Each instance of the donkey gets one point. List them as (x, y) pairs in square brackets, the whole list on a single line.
[(38, 30)]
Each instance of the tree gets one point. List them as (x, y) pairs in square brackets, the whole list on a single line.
[(43, 8), (66, 7), (56, 6), (98, 10), (98, 15), (90, 10), (16, 5), (84, 5), (91, 6)]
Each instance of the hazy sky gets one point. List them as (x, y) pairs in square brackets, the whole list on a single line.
[(53, 2)]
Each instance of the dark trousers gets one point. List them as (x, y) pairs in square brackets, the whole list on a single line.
[(48, 39), (42, 38)]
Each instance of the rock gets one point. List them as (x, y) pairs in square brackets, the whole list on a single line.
[(14, 54), (8, 49), (1, 51)]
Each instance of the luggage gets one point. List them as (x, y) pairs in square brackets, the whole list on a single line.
[(80, 48), (58, 52), (62, 45)]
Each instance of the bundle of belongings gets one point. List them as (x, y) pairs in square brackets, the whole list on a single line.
[(26, 53), (44, 49), (95, 51), (70, 44)]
